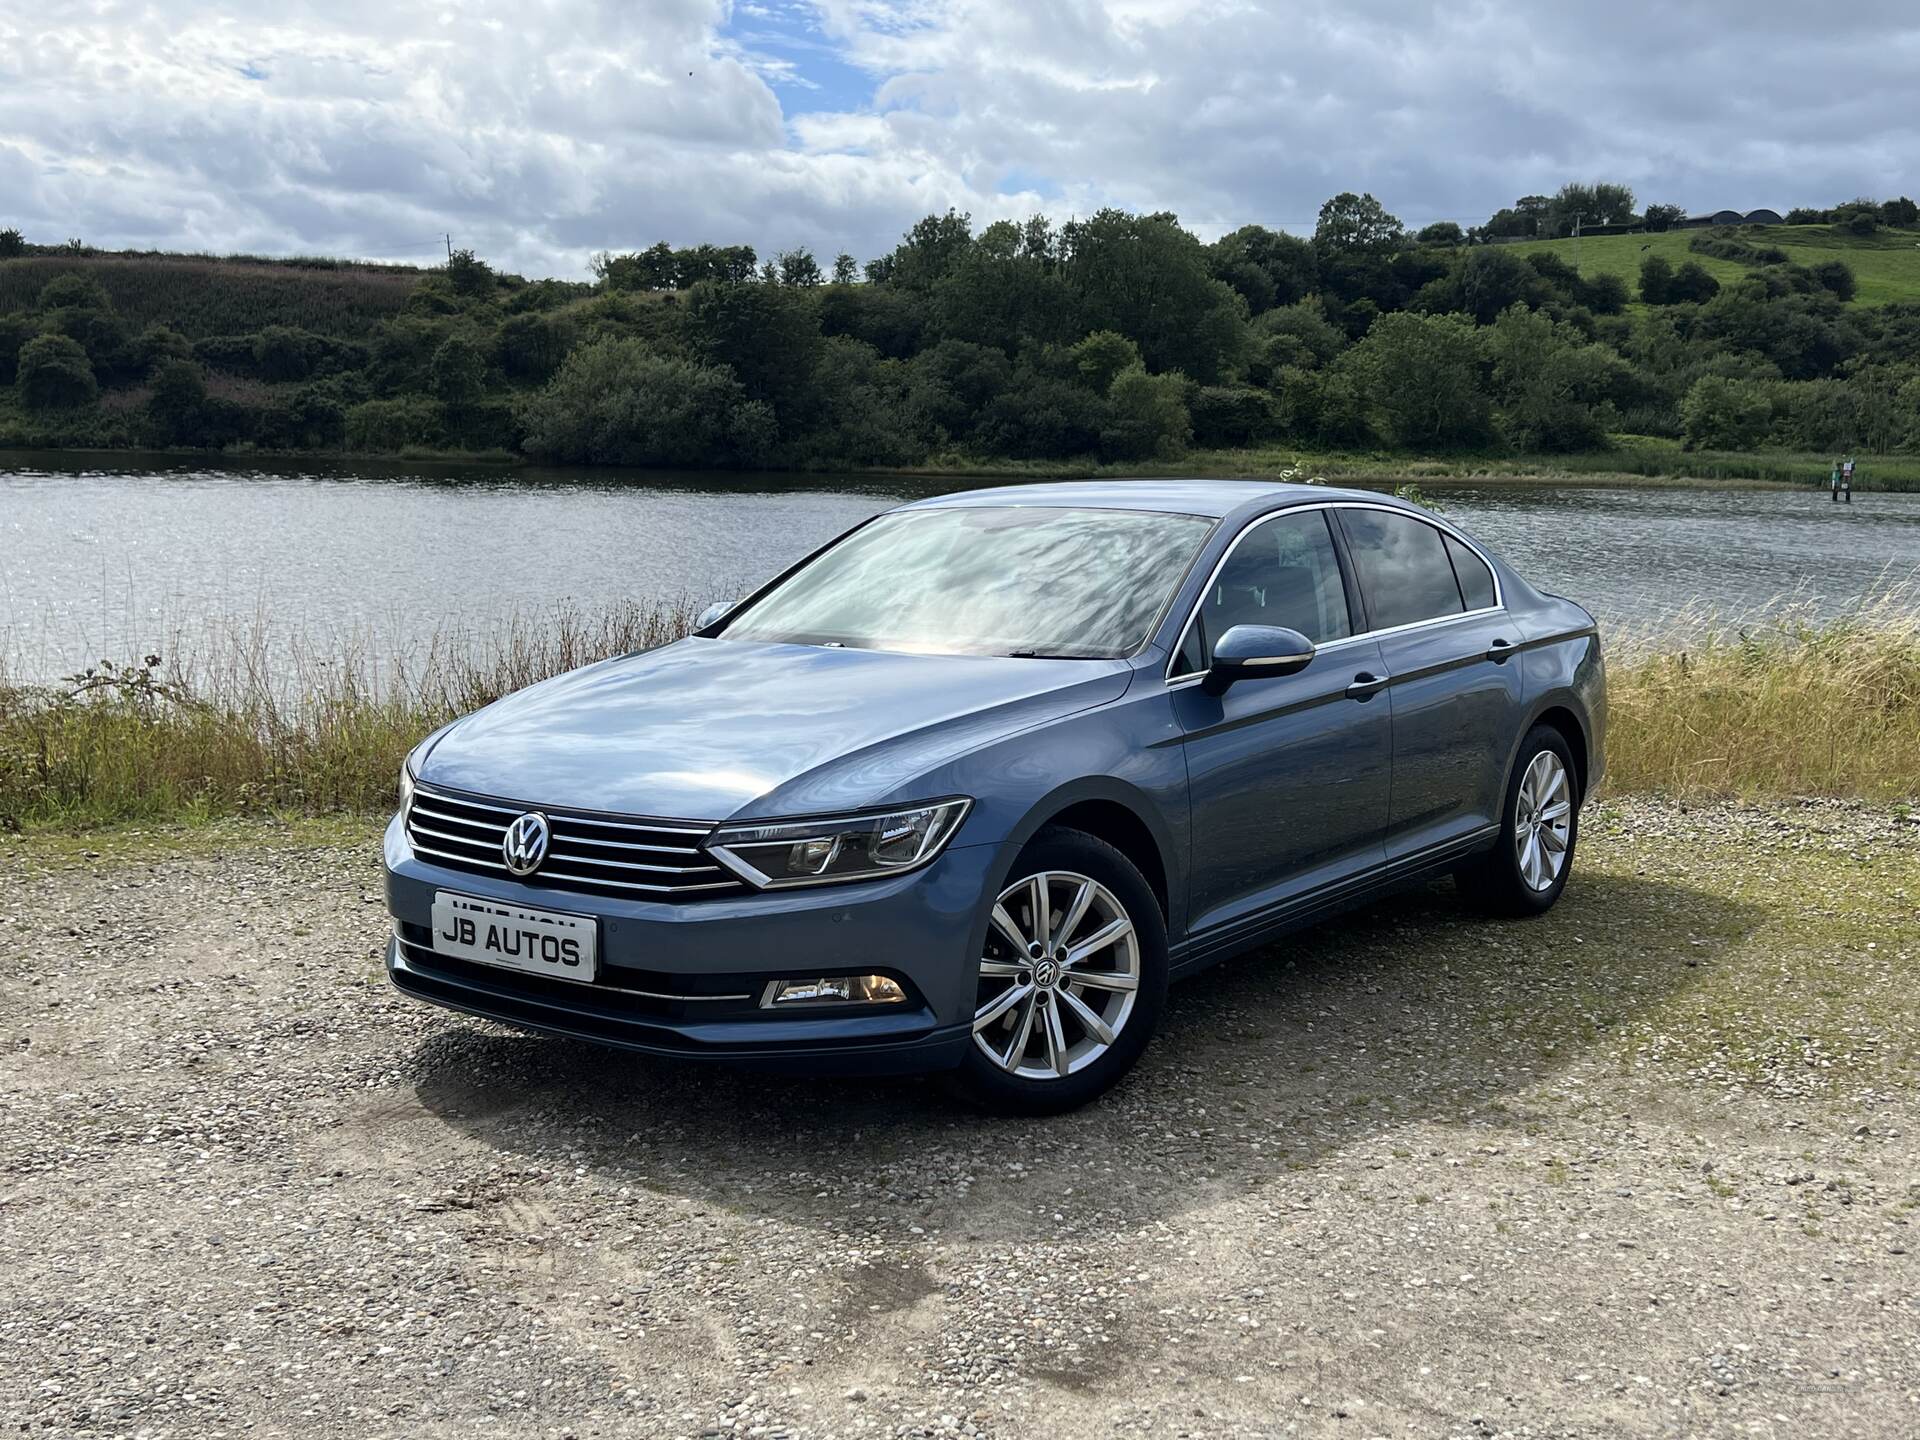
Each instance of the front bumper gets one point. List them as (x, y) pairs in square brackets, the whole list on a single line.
[(672, 975)]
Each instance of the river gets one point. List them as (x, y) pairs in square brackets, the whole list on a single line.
[(114, 557)]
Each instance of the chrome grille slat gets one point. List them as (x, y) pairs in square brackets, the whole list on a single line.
[(449, 829)]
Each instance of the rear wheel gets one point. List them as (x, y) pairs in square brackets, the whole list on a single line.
[(1072, 978), (1528, 868)]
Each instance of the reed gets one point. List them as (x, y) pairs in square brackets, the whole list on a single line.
[(248, 718)]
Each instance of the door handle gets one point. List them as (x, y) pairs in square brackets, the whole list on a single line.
[(1499, 650), (1364, 685)]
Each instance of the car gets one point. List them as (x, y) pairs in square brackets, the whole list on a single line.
[(966, 788)]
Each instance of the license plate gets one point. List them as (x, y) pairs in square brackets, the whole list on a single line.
[(538, 942)]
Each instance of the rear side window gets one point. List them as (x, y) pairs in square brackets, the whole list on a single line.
[(1476, 580), (1402, 566), (1283, 572)]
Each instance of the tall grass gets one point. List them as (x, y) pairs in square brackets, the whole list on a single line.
[(243, 718), (1788, 707)]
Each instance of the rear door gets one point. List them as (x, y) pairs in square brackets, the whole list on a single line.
[(1288, 773), (1434, 607)]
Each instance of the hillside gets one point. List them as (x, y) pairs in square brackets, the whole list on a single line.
[(200, 296), (1886, 264)]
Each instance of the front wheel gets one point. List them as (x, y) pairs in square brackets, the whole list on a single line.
[(1528, 868), (1073, 978)]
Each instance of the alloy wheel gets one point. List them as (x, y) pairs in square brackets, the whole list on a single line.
[(1059, 977), (1543, 821)]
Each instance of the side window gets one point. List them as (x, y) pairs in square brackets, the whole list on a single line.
[(1476, 580), (1283, 572), (1403, 567)]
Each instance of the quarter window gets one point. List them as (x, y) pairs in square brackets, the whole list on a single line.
[(1476, 580), (1283, 572), (1403, 567)]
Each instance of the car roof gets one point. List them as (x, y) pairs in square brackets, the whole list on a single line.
[(1216, 499)]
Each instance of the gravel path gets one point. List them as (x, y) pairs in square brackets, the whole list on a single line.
[(1644, 1167)]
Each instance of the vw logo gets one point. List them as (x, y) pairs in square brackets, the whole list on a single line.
[(524, 845)]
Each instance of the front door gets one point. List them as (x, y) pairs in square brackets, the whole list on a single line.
[(1289, 774)]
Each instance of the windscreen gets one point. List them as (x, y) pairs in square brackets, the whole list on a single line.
[(1003, 580)]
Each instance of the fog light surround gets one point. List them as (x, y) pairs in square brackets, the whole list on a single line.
[(824, 990)]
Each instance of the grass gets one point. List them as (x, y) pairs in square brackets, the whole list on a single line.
[(245, 721), (1886, 264), (1787, 708)]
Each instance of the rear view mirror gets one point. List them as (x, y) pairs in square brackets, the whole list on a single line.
[(714, 613), (1249, 651)]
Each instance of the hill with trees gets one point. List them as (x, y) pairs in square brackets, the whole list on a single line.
[(1118, 338)]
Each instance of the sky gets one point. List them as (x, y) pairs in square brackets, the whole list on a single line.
[(541, 131)]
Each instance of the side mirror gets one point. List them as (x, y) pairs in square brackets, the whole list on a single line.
[(714, 614), (1249, 651)]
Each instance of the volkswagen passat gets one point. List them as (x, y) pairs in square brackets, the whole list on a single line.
[(964, 789)]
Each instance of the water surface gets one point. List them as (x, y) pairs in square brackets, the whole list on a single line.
[(116, 558)]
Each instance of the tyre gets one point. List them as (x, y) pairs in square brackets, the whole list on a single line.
[(1540, 824), (1073, 980)]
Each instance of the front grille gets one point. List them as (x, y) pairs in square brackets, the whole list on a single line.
[(587, 854)]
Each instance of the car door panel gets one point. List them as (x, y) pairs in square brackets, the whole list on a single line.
[(1289, 783), (1453, 709)]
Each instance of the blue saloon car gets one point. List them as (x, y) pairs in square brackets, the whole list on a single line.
[(966, 788)]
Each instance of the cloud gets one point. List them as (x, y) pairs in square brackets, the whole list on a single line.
[(541, 131)]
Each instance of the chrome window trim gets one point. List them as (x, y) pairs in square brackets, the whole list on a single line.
[(1188, 677)]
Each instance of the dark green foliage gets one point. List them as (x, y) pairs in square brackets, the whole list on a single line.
[(176, 397), (798, 267), (533, 345), (1725, 245), (459, 373), (1602, 294), (1144, 276), (1102, 356), (1722, 414), (53, 372), (928, 252), (1353, 224), (1894, 212), (767, 335), (1553, 390), (891, 320), (12, 243), (1664, 217), (1044, 417), (1444, 234), (468, 275), (157, 344), (1856, 217), (846, 270), (1299, 335), (615, 403), (1835, 277), (1494, 279), (282, 352), (1419, 379), (390, 426), (1656, 279), (1146, 417), (201, 297), (1226, 416), (15, 331), (1265, 267), (1691, 284)]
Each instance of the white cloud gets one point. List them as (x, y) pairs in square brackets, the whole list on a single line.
[(540, 131)]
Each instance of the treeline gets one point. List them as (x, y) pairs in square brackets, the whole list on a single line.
[(1120, 337)]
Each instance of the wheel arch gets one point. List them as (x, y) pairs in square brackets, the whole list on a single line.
[(1560, 714), (1122, 817)]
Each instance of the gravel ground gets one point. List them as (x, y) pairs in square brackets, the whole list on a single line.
[(1644, 1167)]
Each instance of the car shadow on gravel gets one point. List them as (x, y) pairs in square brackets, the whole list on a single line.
[(1414, 1009)]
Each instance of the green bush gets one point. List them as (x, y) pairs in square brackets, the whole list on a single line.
[(1227, 416), (1102, 356), (1723, 414), (12, 243), (1419, 377), (53, 373), (177, 397), (1146, 417), (390, 426), (614, 402)]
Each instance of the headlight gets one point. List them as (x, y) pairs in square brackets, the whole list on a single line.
[(853, 847), (406, 786)]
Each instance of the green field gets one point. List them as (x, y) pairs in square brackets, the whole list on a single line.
[(1886, 264)]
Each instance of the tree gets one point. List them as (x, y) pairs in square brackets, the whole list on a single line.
[(1419, 376), (1147, 278), (53, 372), (768, 336), (283, 352), (469, 275), (1664, 217), (1553, 390), (174, 402), (1894, 212), (1835, 277), (458, 373), (1656, 279), (1723, 414), (1858, 217), (798, 267), (615, 403), (1692, 283), (1266, 267), (1493, 278), (1146, 417), (1442, 235), (1102, 356), (845, 270), (12, 243), (932, 248), (1599, 204), (1357, 224), (533, 346)]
